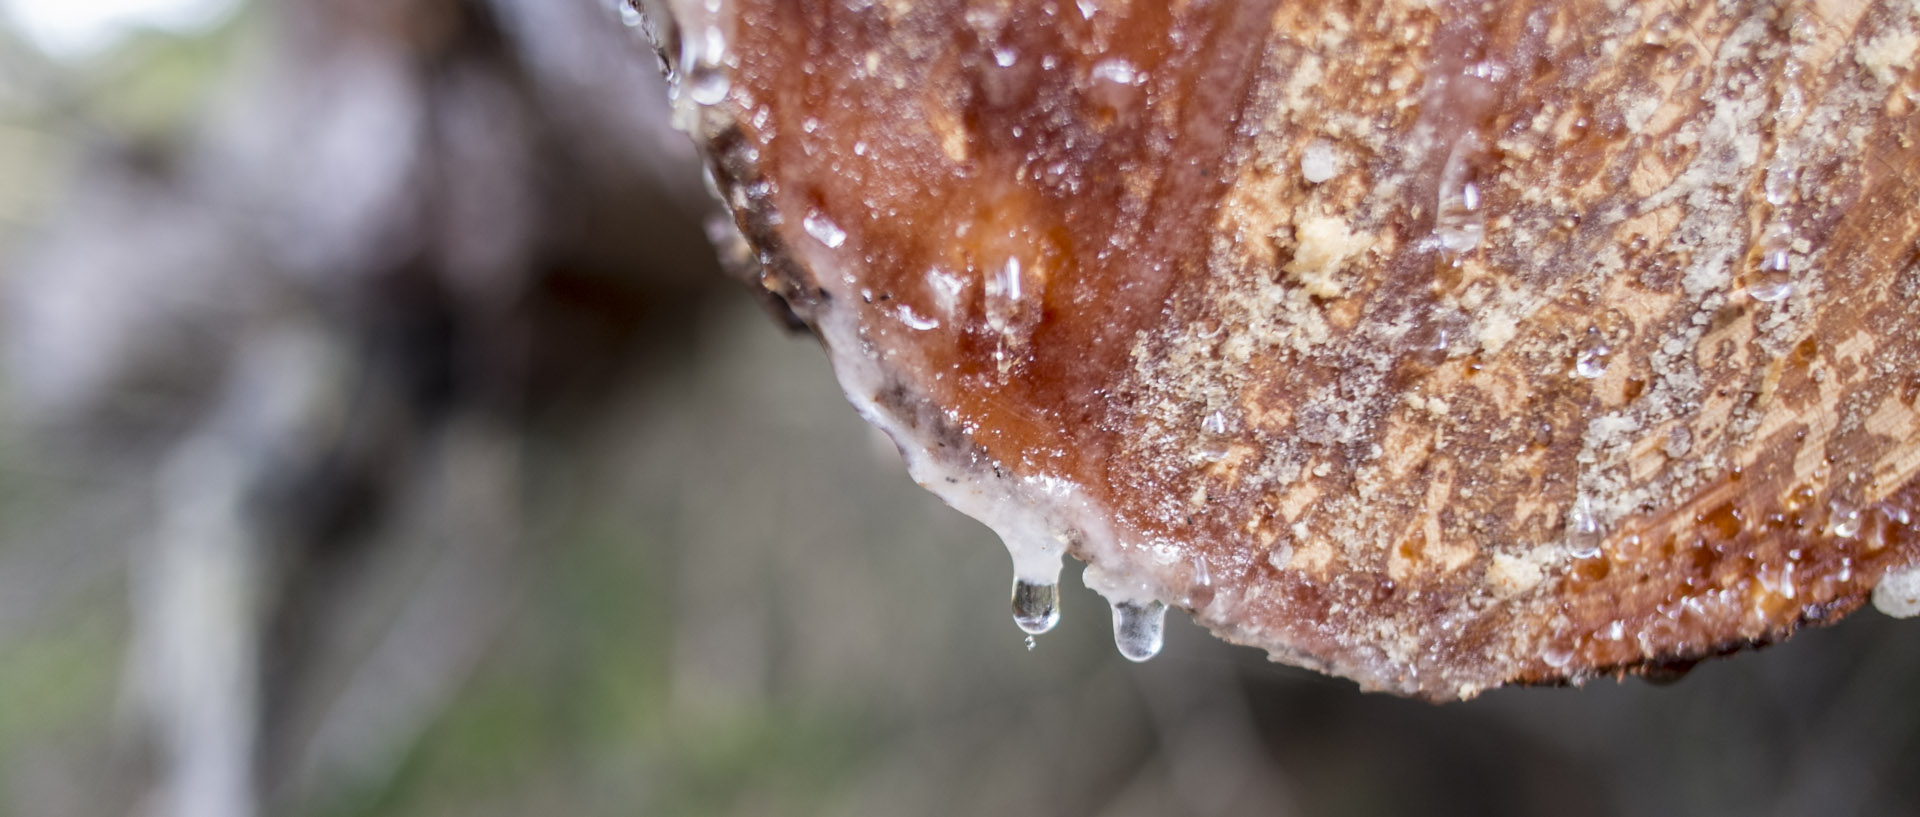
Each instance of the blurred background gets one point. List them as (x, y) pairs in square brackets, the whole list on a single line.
[(379, 436)]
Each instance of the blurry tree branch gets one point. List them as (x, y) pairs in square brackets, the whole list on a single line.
[(408, 234)]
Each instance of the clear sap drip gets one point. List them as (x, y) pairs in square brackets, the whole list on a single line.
[(1591, 361), (1458, 224), (1880, 523), (1843, 519), (1583, 530), (1003, 295), (1778, 187), (1200, 595), (1013, 308), (703, 77), (1773, 281), (824, 230), (1036, 607), (1463, 92), (707, 82), (1214, 443), (1139, 630)]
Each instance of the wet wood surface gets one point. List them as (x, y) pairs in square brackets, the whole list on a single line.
[(1434, 345)]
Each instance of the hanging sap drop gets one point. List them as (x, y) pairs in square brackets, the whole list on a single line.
[(1036, 607), (703, 59), (1583, 530), (1139, 629)]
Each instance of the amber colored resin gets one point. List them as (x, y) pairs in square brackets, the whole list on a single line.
[(1435, 345)]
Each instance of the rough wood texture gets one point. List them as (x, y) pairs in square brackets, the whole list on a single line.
[(1431, 344)]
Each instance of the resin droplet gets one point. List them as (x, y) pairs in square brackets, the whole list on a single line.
[(1459, 224), (707, 82), (1139, 630), (1118, 72), (1881, 525), (824, 230), (1843, 519), (1773, 281), (1557, 655), (1591, 361), (1779, 184), (1583, 530), (1013, 309), (1004, 291), (1214, 442), (914, 320), (1036, 607), (1770, 290)]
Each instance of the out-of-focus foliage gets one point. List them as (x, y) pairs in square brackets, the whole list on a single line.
[(704, 587), (64, 518)]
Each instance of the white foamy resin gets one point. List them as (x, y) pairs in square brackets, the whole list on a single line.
[(1319, 162), (1036, 517), (1898, 593)]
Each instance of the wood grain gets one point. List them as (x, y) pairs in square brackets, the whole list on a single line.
[(1431, 344)]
